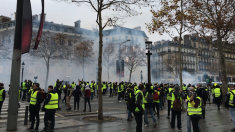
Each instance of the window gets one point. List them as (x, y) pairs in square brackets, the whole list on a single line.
[(52, 28), (132, 39), (62, 29), (126, 38), (113, 38), (69, 30), (107, 39), (69, 43), (9, 39), (120, 38), (136, 39)]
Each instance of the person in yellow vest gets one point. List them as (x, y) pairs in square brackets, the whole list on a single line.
[(73, 85), (34, 106), (140, 108), (176, 107), (230, 104), (120, 92), (218, 96), (194, 110), (169, 98), (24, 88), (92, 89), (156, 100), (2, 95), (51, 104), (111, 90)]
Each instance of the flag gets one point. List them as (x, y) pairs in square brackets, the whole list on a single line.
[(26, 27), (40, 27)]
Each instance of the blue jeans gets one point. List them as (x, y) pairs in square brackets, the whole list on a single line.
[(189, 124), (146, 115), (92, 95), (161, 101), (232, 113), (129, 114)]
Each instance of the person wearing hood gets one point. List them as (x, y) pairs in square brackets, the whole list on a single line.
[(51, 104), (176, 107), (35, 104), (87, 98), (77, 95)]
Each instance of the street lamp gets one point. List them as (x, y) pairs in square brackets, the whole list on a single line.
[(148, 45), (22, 71), (141, 77), (120, 58)]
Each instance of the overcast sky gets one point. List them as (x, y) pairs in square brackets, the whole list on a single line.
[(67, 14)]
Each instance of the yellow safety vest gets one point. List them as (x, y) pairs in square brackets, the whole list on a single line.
[(73, 85), (53, 103), (104, 86), (24, 86), (168, 97), (231, 97), (217, 92), (136, 97), (1, 92), (194, 111), (33, 98)]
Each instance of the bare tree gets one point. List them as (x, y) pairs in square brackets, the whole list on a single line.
[(5, 44), (108, 56), (214, 18), (52, 46), (172, 64), (123, 9), (84, 53), (133, 57), (170, 18)]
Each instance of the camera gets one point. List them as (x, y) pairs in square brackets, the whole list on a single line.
[(192, 94)]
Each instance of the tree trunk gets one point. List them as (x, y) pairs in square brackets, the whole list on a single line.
[(222, 64), (130, 76), (100, 101), (108, 74), (47, 74), (180, 61)]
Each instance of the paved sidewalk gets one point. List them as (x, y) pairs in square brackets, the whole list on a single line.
[(216, 121)]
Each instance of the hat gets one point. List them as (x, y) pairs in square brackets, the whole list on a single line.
[(1, 84)]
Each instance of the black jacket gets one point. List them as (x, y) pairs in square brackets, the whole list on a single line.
[(77, 93)]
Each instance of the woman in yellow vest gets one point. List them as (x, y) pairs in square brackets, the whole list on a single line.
[(194, 110), (51, 104), (218, 96)]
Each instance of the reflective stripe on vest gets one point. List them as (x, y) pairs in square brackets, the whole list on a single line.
[(33, 99), (217, 92), (1, 92), (53, 103), (136, 97), (194, 111)]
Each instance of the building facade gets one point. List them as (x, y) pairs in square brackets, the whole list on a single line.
[(198, 56)]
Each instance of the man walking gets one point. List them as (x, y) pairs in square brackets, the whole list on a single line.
[(148, 103), (51, 104), (68, 97), (169, 98), (35, 104), (87, 98), (218, 96), (24, 88), (77, 95), (230, 104), (139, 110)]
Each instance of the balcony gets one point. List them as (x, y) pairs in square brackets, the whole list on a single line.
[(162, 52)]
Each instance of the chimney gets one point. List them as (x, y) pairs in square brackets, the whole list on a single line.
[(77, 24), (137, 28), (35, 18), (44, 17)]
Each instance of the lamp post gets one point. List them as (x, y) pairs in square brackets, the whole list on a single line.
[(141, 76), (120, 58), (22, 72), (148, 45)]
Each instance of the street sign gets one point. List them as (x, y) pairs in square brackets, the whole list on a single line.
[(207, 80)]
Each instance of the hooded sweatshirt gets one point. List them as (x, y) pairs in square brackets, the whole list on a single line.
[(77, 93)]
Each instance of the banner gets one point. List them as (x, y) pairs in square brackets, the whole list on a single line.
[(26, 27), (40, 27)]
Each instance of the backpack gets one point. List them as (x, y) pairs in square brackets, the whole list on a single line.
[(155, 96), (177, 104), (149, 97), (131, 103)]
